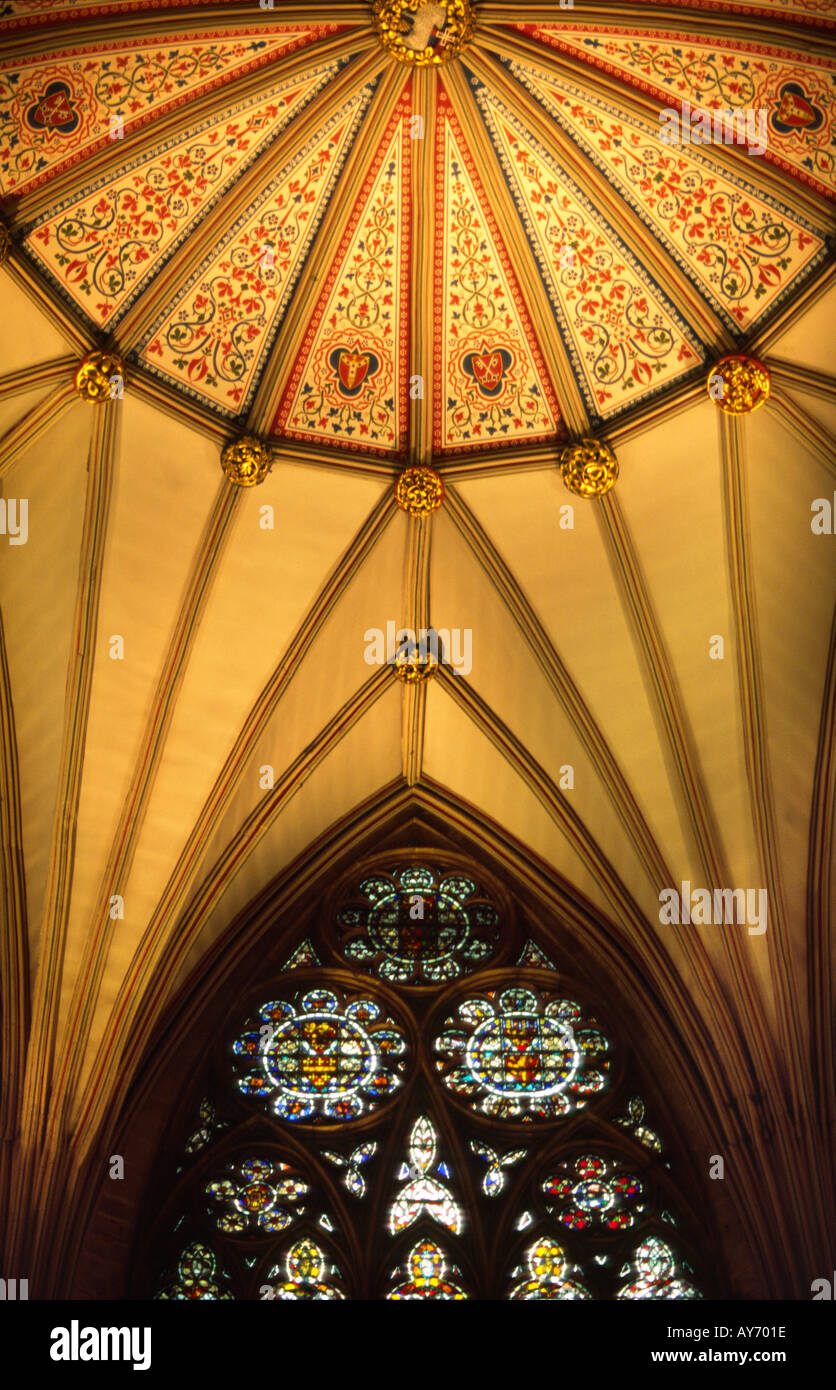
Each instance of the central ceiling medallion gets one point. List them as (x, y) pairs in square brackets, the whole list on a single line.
[(589, 467), (427, 33), (419, 490)]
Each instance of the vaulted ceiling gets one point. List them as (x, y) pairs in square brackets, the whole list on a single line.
[(283, 230)]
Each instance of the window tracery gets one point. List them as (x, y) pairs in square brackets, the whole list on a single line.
[(433, 1042), (418, 926), (428, 1275), (316, 1057)]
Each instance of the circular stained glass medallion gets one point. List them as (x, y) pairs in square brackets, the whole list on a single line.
[(522, 1055), (321, 1059), (418, 926), (593, 1192)]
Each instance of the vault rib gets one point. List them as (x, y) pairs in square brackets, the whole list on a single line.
[(257, 823), (14, 936), (790, 1062), (27, 1177), (156, 941), (34, 423), (819, 899)]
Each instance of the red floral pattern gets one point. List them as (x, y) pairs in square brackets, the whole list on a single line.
[(623, 339), (126, 79), (363, 310), (104, 246), (485, 317), (213, 336), (718, 75), (742, 251)]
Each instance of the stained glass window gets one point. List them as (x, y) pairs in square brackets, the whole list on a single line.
[(534, 957), (198, 1276), (590, 1192), (418, 926), (427, 1275), (634, 1121), (303, 957), (523, 1055), (201, 1136), (423, 1191), (544, 1274), (493, 1181), (416, 1080), (654, 1272), (304, 1274), (318, 1058), (353, 1177), (257, 1196)]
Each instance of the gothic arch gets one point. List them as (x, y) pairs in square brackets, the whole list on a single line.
[(481, 1252)]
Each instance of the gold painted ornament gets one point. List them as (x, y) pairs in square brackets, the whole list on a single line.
[(100, 377), (5, 243), (589, 467), (247, 461), (739, 384), (412, 665), (425, 33), (419, 490)]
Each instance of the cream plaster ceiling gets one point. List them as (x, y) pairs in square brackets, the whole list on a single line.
[(245, 647)]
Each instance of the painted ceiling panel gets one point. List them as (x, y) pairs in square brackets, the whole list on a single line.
[(815, 11), (212, 338), (16, 10), (56, 107), (102, 249), (793, 88), (491, 385), (624, 339), (349, 384), (743, 251)]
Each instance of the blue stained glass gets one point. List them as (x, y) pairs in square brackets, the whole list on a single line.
[(318, 1060), (520, 1053)]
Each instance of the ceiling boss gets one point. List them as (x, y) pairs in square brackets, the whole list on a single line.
[(424, 32)]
